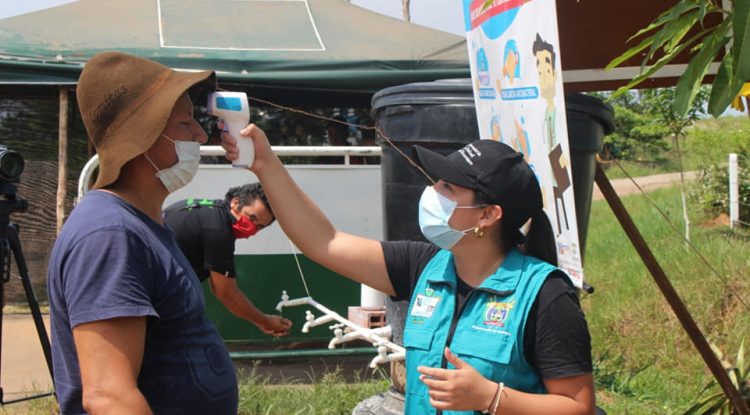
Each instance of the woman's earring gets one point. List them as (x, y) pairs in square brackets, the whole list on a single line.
[(478, 232)]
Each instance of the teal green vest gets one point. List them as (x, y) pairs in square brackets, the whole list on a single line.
[(489, 332)]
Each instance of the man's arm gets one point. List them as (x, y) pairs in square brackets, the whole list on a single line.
[(110, 353), (226, 290)]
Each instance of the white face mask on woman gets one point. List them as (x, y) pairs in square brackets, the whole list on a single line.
[(435, 211), (182, 172)]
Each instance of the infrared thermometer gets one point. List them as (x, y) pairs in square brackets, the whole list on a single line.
[(232, 108)]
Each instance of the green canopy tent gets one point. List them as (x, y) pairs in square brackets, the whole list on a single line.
[(298, 51)]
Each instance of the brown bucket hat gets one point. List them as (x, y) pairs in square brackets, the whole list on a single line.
[(125, 102)]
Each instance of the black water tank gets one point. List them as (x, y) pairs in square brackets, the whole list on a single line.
[(589, 120), (438, 115)]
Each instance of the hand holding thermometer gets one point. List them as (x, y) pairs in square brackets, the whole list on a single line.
[(232, 108)]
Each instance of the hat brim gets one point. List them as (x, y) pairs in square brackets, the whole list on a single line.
[(440, 167)]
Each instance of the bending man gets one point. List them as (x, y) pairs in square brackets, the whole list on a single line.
[(206, 230)]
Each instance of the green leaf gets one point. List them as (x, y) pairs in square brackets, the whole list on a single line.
[(702, 12), (666, 17), (671, 33), (629, 54), (741, 360), (690, 81), (721, 93), (707, 404), (658, 65), (659, 21), (659, 38), (733, 376), (741, 44)]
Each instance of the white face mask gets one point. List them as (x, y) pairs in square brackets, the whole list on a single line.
[(435, 211), (182, 172)]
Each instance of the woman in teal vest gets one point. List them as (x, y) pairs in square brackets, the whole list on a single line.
[(493, 326)]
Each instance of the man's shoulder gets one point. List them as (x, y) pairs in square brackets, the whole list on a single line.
[(101, 212)]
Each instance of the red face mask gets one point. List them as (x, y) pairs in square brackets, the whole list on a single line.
[(244, 228)]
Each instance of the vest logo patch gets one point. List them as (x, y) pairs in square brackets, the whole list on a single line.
[(424, 306), (495, 313)]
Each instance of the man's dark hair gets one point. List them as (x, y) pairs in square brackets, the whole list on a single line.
[(540, 45), (247, 194)]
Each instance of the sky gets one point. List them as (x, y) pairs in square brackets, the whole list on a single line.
[(10, 8), (444, 15)]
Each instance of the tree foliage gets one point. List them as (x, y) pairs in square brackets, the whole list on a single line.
[(683, 28), (644, 118)]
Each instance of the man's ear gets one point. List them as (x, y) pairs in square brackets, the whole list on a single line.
[(235, 203)]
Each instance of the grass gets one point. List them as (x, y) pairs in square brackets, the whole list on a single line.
[(39, 406), (333, 394), (644, 361)]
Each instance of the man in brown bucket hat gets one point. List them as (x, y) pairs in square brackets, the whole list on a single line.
[(129, 331)]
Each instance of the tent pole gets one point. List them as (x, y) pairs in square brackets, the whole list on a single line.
[(62, 156), (682, 313)]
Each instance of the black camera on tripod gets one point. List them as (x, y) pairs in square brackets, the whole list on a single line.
[(11, 167)]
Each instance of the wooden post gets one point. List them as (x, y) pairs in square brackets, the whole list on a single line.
[(62, 156), (682, 313)]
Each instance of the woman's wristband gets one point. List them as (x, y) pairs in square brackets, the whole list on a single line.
[(495, 399)]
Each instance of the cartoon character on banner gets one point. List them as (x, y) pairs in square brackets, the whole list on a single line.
[(511, 126), (546, 68)]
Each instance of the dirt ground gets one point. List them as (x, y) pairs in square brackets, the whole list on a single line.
[(23, 370)]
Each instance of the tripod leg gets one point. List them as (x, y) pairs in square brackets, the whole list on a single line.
[(15, 246), (4, 262)]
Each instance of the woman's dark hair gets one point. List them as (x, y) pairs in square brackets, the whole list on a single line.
[(539, 241), (247, 194)]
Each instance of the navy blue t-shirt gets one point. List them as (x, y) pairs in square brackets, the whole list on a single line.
[(111, 260)]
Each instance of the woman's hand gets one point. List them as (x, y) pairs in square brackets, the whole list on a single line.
[(459, 389), (263, 151)]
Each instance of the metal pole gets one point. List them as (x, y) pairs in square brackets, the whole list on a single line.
[(62, 157), (682, 313), (734, 191)]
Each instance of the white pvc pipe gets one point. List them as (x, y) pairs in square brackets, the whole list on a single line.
[(734, 193), (310, 151), (378, 337), (371, 299)]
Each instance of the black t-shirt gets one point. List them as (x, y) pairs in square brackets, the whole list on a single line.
[(556, 340), (204, 234)]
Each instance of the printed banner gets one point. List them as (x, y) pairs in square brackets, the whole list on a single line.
[(518, 91)]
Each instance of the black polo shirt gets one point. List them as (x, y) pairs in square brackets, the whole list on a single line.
[(203, 229)]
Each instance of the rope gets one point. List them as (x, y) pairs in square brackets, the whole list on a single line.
[(687, 241), (413, 163), (299, 267), (360, 126)]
